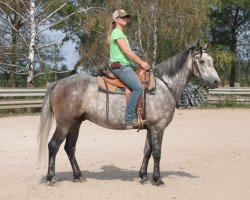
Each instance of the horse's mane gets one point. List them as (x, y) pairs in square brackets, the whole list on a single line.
[(172, 65)]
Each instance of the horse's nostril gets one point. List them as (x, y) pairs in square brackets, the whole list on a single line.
[(216, 84)]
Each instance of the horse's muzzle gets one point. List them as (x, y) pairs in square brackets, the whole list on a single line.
[(215, 83)]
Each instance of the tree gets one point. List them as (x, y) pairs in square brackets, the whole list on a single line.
[(89, 29), (228, 23), (158, 29), (12, 23), (31, 16)]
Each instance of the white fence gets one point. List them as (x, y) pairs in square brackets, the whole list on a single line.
[(238, 95), (14, 98)]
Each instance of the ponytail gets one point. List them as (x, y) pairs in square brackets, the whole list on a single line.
[(111, 28)]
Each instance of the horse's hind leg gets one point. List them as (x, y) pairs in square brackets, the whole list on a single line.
[(70, 147), (54, 144), (147, 154)]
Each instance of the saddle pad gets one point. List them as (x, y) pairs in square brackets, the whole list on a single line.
[(108, 87)]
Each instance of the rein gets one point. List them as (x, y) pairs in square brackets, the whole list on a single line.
[(170, 88), (172, 91)]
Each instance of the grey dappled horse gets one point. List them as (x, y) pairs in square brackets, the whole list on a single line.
[(77, 98)]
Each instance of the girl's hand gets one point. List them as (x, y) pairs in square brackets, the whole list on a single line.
[(145, 65)]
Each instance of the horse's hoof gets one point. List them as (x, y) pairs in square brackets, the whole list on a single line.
[(51, 182), (158, 183), (48, 183), (81, 179), (144, 180)]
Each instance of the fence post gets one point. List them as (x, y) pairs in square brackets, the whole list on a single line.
[(236, 85)]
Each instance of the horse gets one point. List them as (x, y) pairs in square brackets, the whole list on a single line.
[(76, 98)]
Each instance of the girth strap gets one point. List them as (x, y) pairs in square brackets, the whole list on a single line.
[(107, 103)]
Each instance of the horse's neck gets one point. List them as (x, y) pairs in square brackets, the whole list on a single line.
[(179, 80), (178, 83)]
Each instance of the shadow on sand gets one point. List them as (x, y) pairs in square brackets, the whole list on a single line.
[(112, 172)]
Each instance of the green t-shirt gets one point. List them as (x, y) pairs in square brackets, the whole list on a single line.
[(116, 54)]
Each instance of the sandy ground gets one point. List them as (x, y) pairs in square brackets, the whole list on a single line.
[(205, 155)]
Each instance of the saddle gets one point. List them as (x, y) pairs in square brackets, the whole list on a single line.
[(109, 83)]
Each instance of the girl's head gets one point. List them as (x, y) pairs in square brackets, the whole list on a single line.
[(120, 18)]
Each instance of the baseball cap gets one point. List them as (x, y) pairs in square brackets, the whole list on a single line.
[(119, 13)]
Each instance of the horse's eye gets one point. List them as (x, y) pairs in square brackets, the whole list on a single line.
[(201, 61)]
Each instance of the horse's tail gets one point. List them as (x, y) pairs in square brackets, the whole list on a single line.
[(46, 119)]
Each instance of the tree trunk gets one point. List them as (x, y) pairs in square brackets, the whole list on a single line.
[(16, 25), (30, 68), (13, 59), (13, 76), (155, 39), (233, 49), (233, 63), (232, 74), (7, 79), (139, 31)]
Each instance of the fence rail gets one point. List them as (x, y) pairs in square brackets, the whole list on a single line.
[(9, 97), (22, 92), (238, 95), (231, 91)]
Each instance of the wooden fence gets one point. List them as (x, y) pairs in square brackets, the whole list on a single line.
[(24, 98)]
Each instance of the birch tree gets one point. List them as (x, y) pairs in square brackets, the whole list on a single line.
[(31, 50), (35, 22)]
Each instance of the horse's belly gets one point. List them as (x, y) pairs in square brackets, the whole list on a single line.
[(109, 113)]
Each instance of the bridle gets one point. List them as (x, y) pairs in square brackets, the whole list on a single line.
[(195, 70)]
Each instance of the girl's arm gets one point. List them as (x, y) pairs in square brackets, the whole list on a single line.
[(130, 54)]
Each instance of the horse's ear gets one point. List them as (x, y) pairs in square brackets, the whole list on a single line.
[(206, 47), (198, 43), (200, 49)]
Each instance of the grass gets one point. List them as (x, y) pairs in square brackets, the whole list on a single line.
[(225, 104), (19, 112)]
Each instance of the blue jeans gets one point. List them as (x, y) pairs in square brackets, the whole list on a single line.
[(127, 75)]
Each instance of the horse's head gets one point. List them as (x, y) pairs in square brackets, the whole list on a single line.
[(202, 66)]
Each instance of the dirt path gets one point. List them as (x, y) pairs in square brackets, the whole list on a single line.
[(205, 156)]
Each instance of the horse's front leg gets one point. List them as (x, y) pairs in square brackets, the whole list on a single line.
[(147, 154), (156, 137)]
